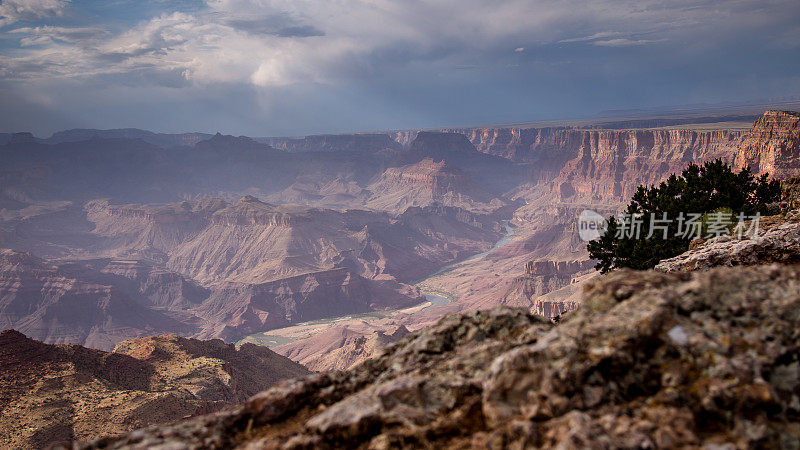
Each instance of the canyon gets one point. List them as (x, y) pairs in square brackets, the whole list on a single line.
[(225, 237)]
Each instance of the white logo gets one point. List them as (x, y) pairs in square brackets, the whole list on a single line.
[(591, 225)]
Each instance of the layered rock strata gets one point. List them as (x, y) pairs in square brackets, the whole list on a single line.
[(542, 277), (772, 145)]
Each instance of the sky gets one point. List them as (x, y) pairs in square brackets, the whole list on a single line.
[(296, 67)]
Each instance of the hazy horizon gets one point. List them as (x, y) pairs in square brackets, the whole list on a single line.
[(751, 108)]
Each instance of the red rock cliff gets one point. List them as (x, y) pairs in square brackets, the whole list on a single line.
[(604, 164), (772, 146)]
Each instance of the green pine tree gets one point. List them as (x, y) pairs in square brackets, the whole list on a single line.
[(713, 190)]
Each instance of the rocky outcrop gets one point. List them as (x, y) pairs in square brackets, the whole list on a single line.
[(211, 370), (142, 230), (52, 393), (772, 146), (438, 177), (650, 360), (159, 287), (779, 243), (428, 182), (339, 348), (74, 304), (790, 194), (492, 173), (250, 211)]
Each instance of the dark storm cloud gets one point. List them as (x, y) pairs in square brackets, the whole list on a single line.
[(392, 63)]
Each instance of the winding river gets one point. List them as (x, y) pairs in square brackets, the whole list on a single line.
[(436, 298), (274, 338)]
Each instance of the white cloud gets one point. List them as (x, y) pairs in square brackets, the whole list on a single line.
[(600, 35), (610, 39), (35, 40), (66, 34), (15, 10), (622, 42)]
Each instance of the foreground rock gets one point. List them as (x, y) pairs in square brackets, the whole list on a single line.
[(779, 242), (51, 393), (651, 359)]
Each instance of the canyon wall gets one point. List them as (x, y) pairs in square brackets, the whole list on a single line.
[(73, 304), (548, 268), (531, 144), (251, 241), (542, 277), (100, 302), (215, 269), (610, 164), (603, 164), (607, 165), (340, 347), (772, 145)]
